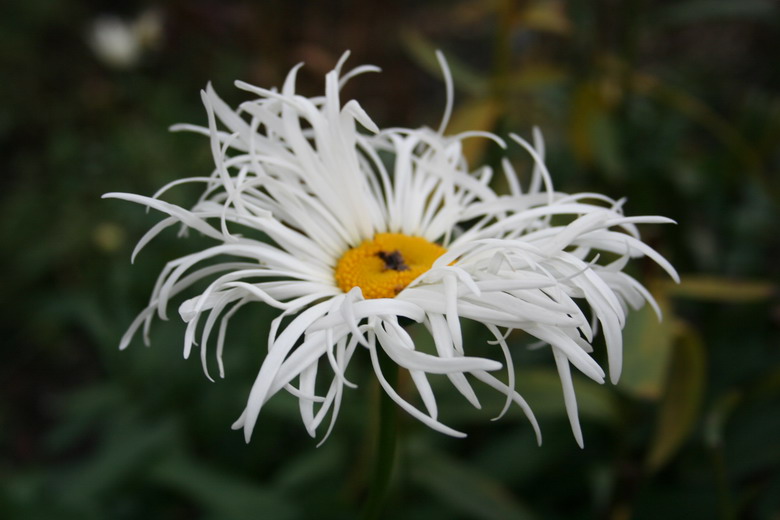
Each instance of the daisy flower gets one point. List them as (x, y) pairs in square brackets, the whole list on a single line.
[(365, 230)]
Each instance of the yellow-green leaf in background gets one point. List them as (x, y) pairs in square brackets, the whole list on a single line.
[(541, 387), (585, 102), (532, 76), (713, 288), (593, 132), (646, 352), (549, 16), (680, 405)]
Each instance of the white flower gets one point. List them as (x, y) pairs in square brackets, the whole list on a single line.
[(119, 43), (368, 229)]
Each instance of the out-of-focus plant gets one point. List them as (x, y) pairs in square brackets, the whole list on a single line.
[(674, 104)]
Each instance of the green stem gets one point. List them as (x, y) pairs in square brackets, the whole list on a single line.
[(387, 430)]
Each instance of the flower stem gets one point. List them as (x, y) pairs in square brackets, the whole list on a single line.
[(387, 433)]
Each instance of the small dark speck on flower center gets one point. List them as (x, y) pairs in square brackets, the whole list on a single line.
[(394, 260)]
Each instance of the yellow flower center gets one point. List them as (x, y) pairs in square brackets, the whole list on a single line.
[(384, 266)]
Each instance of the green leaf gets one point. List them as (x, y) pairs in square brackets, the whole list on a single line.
[(541, 387), (310, 467), (702, 114), (536, 76), (681, 402), (593, 131), (648, 346), (465, 489), (585, 102), (127, 449), (712, 288), (84, 408), (226, 496), (546, 16)]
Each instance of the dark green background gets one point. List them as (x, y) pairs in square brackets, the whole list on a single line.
[(672, 104)]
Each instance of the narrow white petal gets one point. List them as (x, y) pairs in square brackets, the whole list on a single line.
[(411, 410), (276, 354), (569, 397)]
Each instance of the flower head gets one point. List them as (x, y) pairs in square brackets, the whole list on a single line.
[(369, 229)]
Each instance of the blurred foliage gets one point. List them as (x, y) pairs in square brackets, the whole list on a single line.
[(674, 104)]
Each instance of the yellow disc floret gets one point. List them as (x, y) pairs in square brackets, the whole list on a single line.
[(384, 266)]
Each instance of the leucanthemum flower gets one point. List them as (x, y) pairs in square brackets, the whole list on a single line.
[(369, 229)]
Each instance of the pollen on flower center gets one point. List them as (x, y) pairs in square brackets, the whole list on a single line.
[(384, 266)]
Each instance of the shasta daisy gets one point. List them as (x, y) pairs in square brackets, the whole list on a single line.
[(369, 229)]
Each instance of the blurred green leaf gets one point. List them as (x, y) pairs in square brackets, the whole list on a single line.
[(593, 133), (699, 111), (550, 16), (465, 489), (536, 76), (697, 11), (310, 466), (83, 409), (712, 288), (27, 496), (584, 104), (541, 388), (226, 495), (742, 417), (131, 445), (648, 347), (679, 407)]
